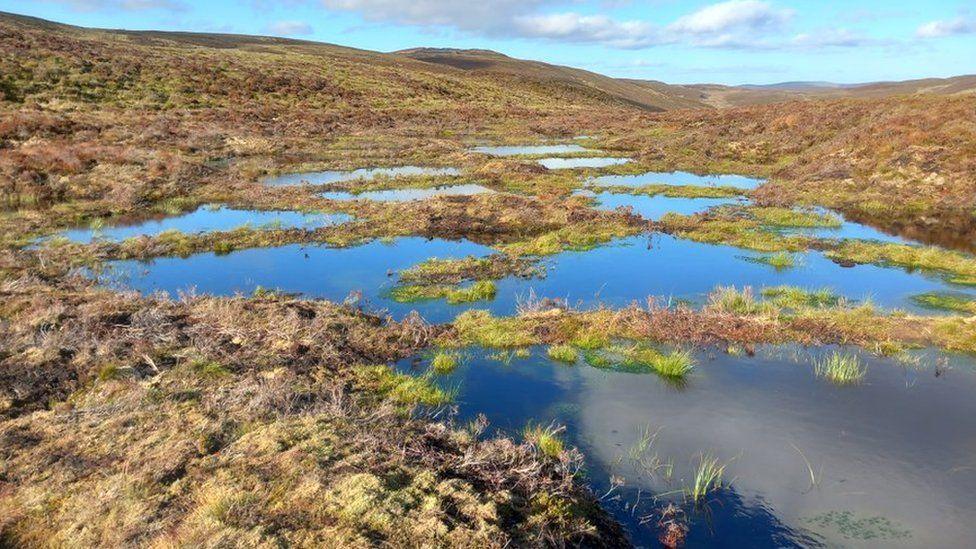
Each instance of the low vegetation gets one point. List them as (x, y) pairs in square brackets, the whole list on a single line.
[(841, 368)]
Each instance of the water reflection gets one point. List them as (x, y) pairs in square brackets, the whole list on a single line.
[(892, 457), (336, 176), (642, 267), (406, 195), (583, 162), (653, 207), (205, 219), (516, 150), (678, 178)]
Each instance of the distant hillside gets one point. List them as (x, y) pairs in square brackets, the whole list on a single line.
[(720, 96), (650, 95)]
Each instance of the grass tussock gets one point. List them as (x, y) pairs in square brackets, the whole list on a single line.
[(958, 267), (577, 237), (707, 478), (563, 353), (840, 368), (445, 362), (477, 327), (482, 290), (546, 439), (405, 389), (959, 303)]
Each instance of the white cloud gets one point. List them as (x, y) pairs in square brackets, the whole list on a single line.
[(573, 27), (734, 15), (290, 28), (938, 29), (832, 38)]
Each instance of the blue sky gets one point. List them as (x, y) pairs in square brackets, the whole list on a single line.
[(732, 42)]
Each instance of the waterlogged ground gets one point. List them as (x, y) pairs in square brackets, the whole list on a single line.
[(653, 208), (556, 163), (519, 150), (885, 462), (678, 178), (338, 176), (624, 271), (891, 457), (204, 219), (406, 195)]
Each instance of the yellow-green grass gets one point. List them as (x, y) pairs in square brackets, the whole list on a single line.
[(545, 439), (577, 237), (707, 479), (840, 368), (479, 327), (946, 302), (482, 290), (444, 362), (959, 267), (405, 389), (563, 353)]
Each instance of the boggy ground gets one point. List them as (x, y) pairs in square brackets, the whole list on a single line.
[(268, 420), (259, 421)]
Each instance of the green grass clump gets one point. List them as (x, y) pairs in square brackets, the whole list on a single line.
[(405, 389), (642, 358), (779, 260), (960, 267), (786, 217), (482, 290), (707, 479), (578, 237), (946, 302), (792, 297), (546, 439), (676, 191), (741, 233), (728, 299), (563, 353), (444, 362), (479, 327), (840, 368)]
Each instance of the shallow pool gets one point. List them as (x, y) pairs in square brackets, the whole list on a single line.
[(205, 219), (337, 176), (892, 459), (555, 163), (516, 150), (678, 178), (406, 195)]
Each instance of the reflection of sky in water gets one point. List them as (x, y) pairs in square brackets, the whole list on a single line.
[(628, 270), (208, 219), (588, 162), (653, 207), (899, 446), (335, 176), (678, 178), (515, 150), (405, 195)]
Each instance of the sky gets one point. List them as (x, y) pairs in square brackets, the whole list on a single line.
[(730, 42)]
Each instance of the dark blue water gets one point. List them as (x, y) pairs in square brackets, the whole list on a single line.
[(631, 269), (406, 195), (678, 178), (899, 447), (336, 176), (207, 219)]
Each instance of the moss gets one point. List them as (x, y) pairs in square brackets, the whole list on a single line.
[(779, 261), (741, 233), (641, 358), (792, 297)]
